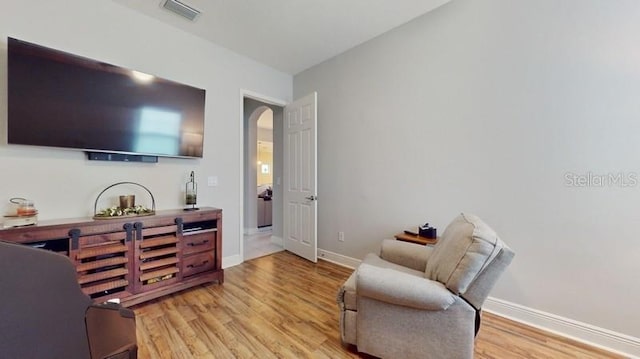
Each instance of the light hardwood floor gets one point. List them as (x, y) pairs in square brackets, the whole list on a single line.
[(281, 306), (259, 244)]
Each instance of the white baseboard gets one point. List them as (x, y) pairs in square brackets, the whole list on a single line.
[(595, 336), (231, 261), (277, 240), (622, 344), (338, 259)]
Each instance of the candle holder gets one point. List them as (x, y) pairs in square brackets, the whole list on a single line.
[(127, 201), (191, 193)]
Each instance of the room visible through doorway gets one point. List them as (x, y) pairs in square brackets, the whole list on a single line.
[(262, 215)]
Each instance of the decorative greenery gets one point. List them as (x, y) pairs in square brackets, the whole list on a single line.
[(116, 211)]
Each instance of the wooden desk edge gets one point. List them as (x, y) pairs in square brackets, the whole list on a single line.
[(415, 239)]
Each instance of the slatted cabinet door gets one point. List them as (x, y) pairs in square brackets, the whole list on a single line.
[(103, 263), (157, 251)]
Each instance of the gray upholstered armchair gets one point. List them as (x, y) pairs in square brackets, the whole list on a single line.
[(413, 301)]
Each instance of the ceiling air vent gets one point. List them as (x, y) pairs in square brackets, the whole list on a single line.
[(181, 9)]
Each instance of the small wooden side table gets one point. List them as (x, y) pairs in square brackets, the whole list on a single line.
[(416, 239)]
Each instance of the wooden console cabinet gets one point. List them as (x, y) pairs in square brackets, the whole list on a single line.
[(134, 259)]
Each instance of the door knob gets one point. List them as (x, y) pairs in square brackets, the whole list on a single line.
[(311, 198)]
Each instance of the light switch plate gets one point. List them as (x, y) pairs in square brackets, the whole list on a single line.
[(212, 181)]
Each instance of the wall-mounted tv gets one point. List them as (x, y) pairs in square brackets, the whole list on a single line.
[(57, 99)]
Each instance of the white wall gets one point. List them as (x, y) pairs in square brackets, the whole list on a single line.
[(63, 183), (265, 134), (484, 107)]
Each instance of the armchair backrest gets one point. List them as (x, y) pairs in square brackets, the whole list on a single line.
[(469, 258), (42, 307)]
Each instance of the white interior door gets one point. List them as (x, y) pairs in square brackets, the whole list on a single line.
[(300, 180)]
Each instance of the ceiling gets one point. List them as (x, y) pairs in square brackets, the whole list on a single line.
[(289, 35)]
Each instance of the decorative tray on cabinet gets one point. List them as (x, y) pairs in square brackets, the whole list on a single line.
[(119, 212)]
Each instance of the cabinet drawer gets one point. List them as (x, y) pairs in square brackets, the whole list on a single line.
[(197, 263), (198, 242)]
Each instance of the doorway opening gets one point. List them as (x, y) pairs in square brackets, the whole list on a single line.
[(263, 202)]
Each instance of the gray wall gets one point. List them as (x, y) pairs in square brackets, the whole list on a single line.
[(492, 107), (278, 156)]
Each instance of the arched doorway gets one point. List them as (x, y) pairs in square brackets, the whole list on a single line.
[(265, 170), (262, 203)]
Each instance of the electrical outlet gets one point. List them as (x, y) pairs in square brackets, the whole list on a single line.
[(212, 181), (340, 236)]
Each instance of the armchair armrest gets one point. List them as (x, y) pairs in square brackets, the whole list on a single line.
[(111, 330), (406, 254), (391, 286)]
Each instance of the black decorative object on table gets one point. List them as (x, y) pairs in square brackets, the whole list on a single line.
[(427, 231)]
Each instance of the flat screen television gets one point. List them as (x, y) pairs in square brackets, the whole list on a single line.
[(56, 99)]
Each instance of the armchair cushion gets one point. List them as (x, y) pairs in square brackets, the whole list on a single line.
[(467, 246), (404, 289), (347, 293), (406, 254)]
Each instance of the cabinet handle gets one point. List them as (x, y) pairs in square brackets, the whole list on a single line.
[(198, 265), (195, 244)]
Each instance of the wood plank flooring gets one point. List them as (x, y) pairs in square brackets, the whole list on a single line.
[(281, 306)]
